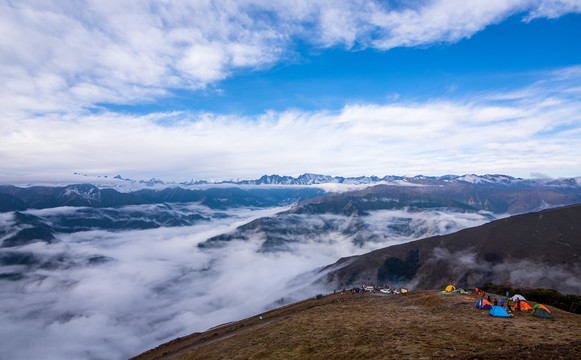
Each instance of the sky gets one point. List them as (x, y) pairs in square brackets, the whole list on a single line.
[(216, 90)]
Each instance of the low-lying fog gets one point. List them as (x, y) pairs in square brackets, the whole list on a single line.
[(102, 294)]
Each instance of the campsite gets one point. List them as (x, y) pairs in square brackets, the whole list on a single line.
[(414, 325)]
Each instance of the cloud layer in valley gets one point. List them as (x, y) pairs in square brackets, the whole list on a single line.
[(464, 266), (105, 295)]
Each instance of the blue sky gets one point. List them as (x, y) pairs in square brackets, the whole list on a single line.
[(505, 56), (219, 90)]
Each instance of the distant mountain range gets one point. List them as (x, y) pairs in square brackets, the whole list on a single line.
[(312, 219), (496, 194), (101, 208), (480, 180), (13, 198), (541, 249), (318, 179), (441, 194)]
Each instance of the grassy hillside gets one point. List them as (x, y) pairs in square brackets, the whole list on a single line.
[(419, 325)]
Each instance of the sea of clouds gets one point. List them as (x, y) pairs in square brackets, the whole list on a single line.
[(103, 294)]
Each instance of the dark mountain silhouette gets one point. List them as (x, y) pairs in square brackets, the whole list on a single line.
[(451, 195), (10, 202), (495, 193), (541, 249), (43, 197), (14, 198), (101, 208)]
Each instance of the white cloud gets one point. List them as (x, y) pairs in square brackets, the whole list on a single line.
[(554, 8), (440, 21), (59, 56), (530, 130), (88, 52)]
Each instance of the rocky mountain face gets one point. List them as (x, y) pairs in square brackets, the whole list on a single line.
[(541, 249)]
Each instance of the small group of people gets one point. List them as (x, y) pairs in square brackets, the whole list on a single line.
[(495, 301)]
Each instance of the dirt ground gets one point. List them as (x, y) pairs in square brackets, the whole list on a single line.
[(418, 325)]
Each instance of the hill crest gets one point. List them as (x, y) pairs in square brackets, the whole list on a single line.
[(423, 324)]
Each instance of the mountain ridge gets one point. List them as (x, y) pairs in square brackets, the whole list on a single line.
[(525, 250), (307, 179), (319, 179)]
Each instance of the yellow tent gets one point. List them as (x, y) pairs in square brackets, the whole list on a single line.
[(450, 288)]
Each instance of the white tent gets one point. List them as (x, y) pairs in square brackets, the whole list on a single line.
[(518, 297)]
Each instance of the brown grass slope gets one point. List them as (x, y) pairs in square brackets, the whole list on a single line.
[(419, 325), (546, 243)]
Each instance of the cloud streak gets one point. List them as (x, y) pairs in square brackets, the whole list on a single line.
[(534, 129)]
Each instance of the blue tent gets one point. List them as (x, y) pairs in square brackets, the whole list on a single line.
[(483, 304), (498, 311)]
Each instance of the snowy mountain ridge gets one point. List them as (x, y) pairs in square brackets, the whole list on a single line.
[(327, 182), (83, 191), (485, 180)]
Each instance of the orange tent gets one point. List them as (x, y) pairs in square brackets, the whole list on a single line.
[(542, 307), (523, 306), (483, 304)]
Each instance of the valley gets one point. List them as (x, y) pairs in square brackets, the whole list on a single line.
[(138, 268)]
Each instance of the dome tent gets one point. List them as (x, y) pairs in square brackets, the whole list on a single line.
[(522, 305), (540, 306), (498, 311), (518, 297), (483, 304), (542, 313)]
